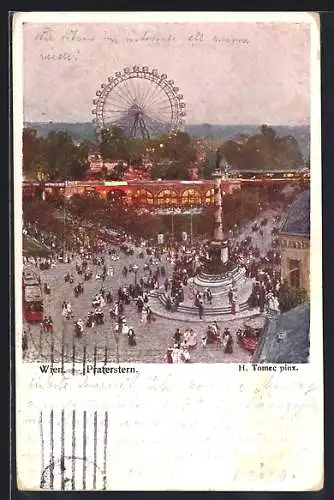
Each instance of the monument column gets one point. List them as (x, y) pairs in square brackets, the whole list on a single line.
[(218, 223), (218, 247)]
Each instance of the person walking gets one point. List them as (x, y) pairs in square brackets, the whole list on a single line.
[(230, 295), (131, 337), (169, 354), (166, 285), (144, 316), (200, 310), (209, 296), (149, 314), (229, 344), (177, 337)]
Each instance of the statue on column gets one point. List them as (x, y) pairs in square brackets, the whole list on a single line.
[(218, 159), (218, 251)]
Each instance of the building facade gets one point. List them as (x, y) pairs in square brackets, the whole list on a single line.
[(153, 193), (294, 238), (145, 193)]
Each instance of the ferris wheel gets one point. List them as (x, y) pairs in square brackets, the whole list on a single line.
[(140, 101)]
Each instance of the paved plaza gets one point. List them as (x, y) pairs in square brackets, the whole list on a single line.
[(152, 338)]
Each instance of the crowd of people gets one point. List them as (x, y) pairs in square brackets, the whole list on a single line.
[(184, 259), (184, 342), (116, 301), (41, 235), (262, 268)]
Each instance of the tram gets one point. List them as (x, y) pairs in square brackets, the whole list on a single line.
[(32, 296)]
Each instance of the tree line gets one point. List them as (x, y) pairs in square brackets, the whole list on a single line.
[(58, 157), (263, 151), (239, 207), (55, 157)]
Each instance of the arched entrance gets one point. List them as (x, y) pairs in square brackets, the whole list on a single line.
[(191, 197), (116, 196), (142, 197), (209, 197), (91, 191), (167, 198)]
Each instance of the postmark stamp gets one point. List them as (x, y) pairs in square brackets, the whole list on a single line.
[(73, 473)]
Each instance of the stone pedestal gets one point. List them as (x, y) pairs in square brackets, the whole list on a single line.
[(215, 249), (224, 252), (218, 252)]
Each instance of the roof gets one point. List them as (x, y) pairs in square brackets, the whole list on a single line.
[(286, 338), (298, 218), (32, 293), (30, 278)]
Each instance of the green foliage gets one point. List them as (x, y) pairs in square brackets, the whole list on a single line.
[(84, 206), (54, 157), (171, 156), (177, 170), (33, 248), (113, 144), (159, 170), (38, 211), (114, 215), (290, 298), (116, 174), (206, 170), (31, 150), (263, 151), (136, 150), (238, 208)]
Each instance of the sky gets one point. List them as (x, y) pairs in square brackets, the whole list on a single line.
[(228, 73)]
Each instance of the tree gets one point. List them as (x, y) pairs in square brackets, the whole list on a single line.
[(179, 147), (136, 149), (113, 144), (159, 170), (177, 170), (234, 153), (80, 162), (263, 151), (86, 206), (170, 171), (208, 167), (288, 152), (268, 132), (117, 173), (55, 157), (30, 150)]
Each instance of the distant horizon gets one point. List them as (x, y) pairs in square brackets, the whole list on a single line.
[(187, 124)]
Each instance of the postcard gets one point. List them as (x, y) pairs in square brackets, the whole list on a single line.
[(167, 195)]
